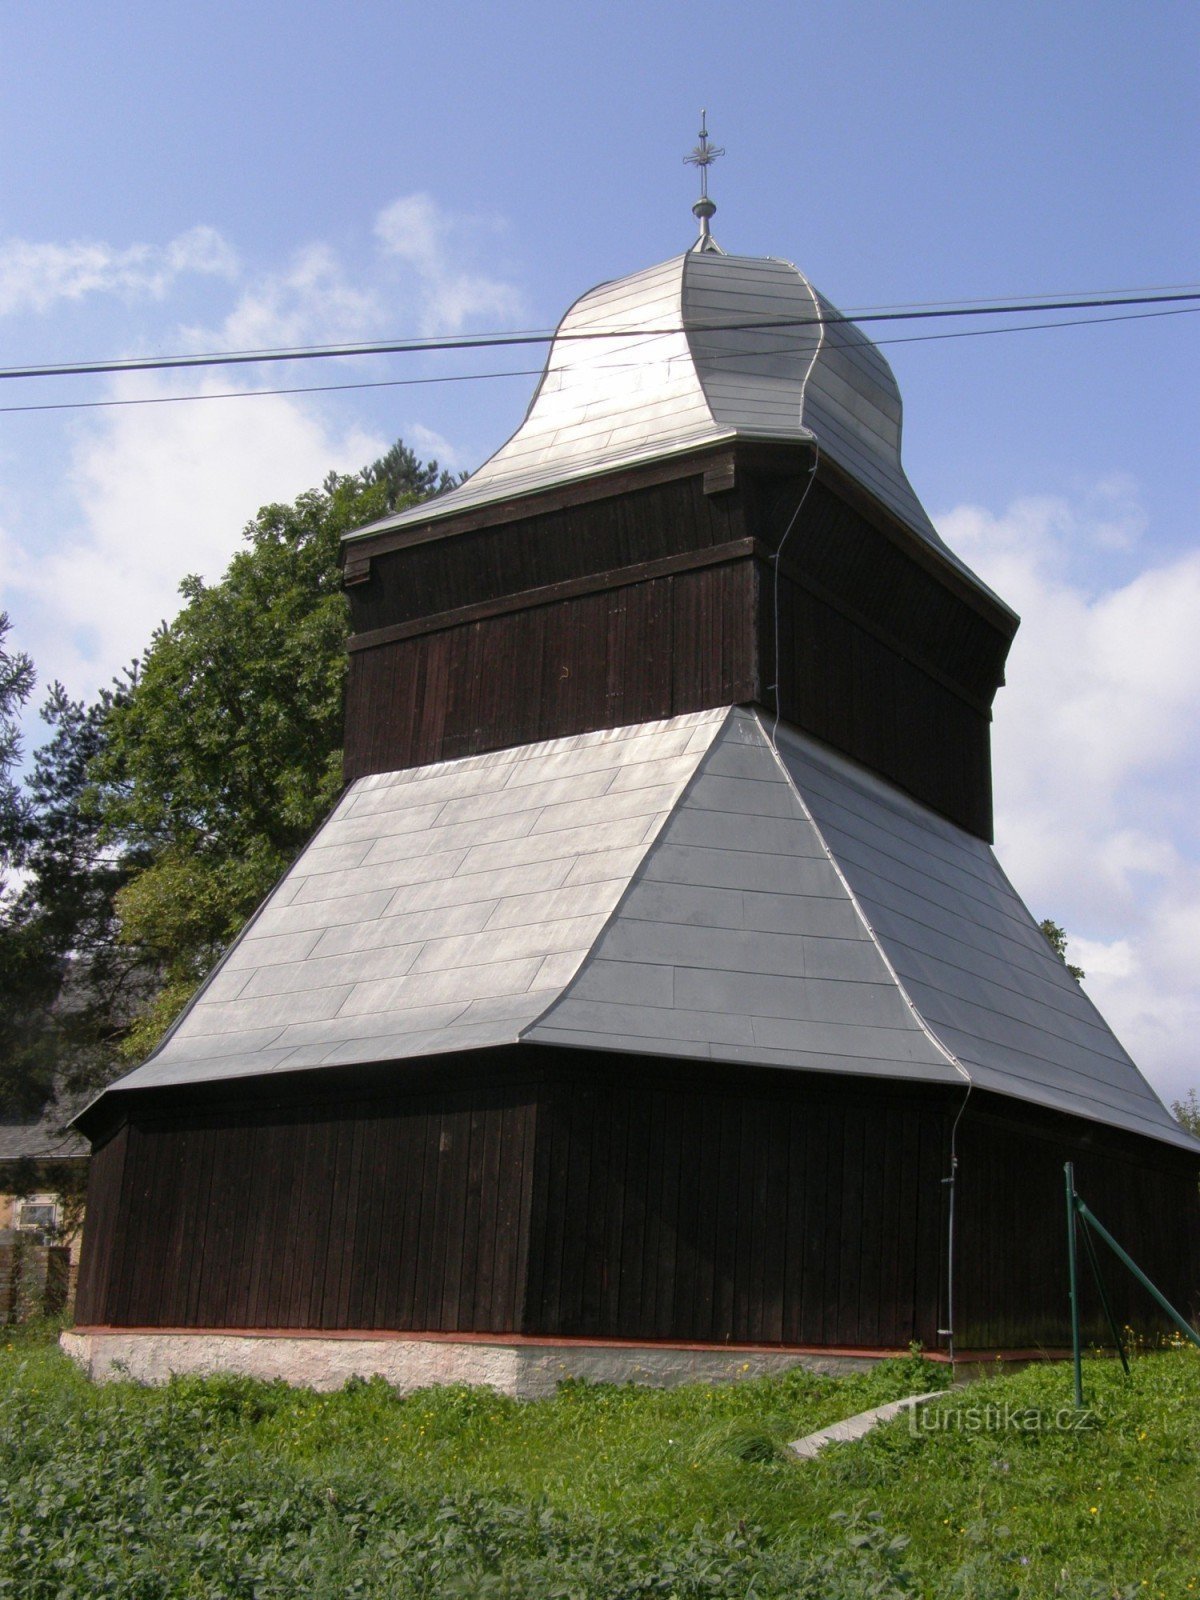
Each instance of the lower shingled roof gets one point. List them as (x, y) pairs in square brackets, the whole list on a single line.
[(684, 888)]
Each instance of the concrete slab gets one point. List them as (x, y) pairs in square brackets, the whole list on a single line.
[(856, 1427), (526, 1369)]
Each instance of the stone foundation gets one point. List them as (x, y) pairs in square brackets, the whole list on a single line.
[(525, 1369)]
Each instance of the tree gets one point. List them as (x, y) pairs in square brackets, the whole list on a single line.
[(1187, 1111), (403, 479), (16, 685), (29, 972), (64, 980), (224, 752), (1057, 940)]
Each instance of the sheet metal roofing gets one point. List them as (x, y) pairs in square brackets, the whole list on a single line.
[(680, 888), (704, 348)]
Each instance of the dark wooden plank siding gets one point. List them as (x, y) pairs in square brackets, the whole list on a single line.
[(704, 1211), (593, 661), (580, 1200), (1012, 1269), (400, 1211), (644, 600)]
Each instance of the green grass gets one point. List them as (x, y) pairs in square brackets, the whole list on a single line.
[(231, 1488)]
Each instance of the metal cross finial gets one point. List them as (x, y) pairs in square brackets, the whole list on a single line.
[(703, 157)]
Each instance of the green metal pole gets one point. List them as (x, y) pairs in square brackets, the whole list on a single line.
[(1076, 1349), (1094, 1263), (1184, 1327)]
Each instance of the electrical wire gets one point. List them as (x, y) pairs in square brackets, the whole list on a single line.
[(507, 340), (535, 372)]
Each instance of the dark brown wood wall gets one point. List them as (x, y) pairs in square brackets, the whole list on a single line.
[(566, 1195), (646, 602), (393, 1211), (1012, 1264), (600, 660), (743, 1210)]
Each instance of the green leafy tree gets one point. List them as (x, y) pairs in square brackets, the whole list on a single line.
[(29, 973), (224, 753), (67, 987), (1057, 940), (1187, 1111)]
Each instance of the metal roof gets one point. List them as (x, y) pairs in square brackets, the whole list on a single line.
[(703, 348), (678, 888)]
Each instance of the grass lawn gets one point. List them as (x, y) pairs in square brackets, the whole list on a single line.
[(230, 1488)]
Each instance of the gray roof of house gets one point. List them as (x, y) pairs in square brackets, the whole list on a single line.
[(42, 1138), (701, 349), (687, 888)]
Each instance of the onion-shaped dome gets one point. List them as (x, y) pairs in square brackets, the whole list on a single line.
[(701, 349)]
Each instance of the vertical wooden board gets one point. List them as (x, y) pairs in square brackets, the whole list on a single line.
[(472, 1202), (689, 1179), (558, 1138), (351, 1263), (791, 1316), (101, 1221), (817, 1220), (687, 664), (219, 1228), (297, 1239), (420, 1218), (747, 1241), (621, 1103), (509, 1212), (708, 1220), (578, 1198), (764, 1235), (876, 1296), (244, 1158), (656, 1111), (361, 1257), (596, 1242), (725, 1233), (328, 1270), (489, 1304), (394, 1252), (930, 1254), (534, 1288), (850, 1232), (614, 657), (172, 1242), (527, 1112), (138, 1221), (204, 1234), (317, 1234), (285, 1149), (141, 1218), (775, 1220), (157, 1232), (125, 1244), (266, 1221), (633, 1221), (434, 654), (905, 1124), (667, 1315), (830, 1171), (457, 1178), (383, 1200)]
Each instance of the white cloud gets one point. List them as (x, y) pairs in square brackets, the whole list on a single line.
[(151, 493), (161, 491), (310, 300), (1095, 755), (435, 243), (34, 277)]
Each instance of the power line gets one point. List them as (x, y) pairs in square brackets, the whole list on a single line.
[(536, 372), (489, 341)]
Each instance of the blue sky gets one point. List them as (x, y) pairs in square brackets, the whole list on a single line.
[(231, 176)]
